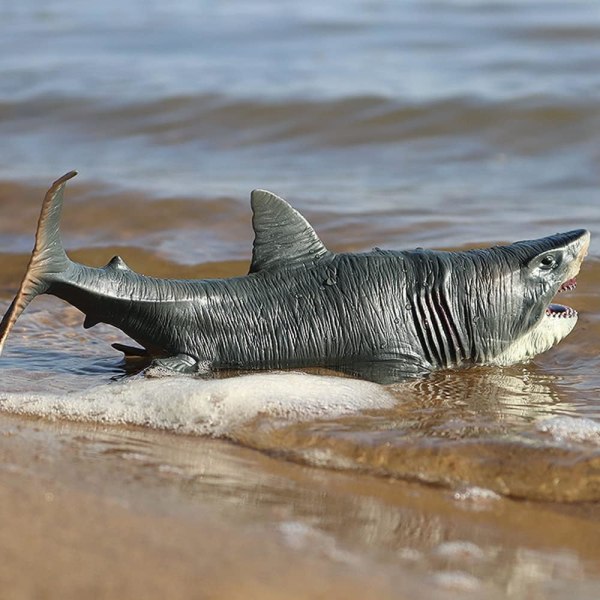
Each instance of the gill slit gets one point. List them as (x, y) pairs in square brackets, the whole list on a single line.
[(428, 328), (450, 326), (470, 334), (441, 330), (447, 353), (416, 317)]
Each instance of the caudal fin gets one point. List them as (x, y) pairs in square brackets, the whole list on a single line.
[(47, 259)]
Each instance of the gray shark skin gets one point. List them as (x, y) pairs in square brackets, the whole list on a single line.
[(382, 315)]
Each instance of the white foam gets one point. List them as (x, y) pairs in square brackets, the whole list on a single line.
[(475, 494), (206, 407), (571, 429), (457, 581), (459, 551), (301, 536)]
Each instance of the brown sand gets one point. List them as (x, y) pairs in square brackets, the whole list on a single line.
[(76, 528), (94, 512)]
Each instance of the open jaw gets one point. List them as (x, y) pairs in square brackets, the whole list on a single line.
[(556, 323), (559, 311)]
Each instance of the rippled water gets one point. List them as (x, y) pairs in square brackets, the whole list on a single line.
[(424, 123), (460, 111)]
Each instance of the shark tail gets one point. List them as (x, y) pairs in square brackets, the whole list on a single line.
[(48, 258)]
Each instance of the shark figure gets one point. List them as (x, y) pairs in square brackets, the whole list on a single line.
[(381, 315)]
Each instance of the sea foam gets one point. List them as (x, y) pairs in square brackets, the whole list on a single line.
[(570, 429), (205, 407)]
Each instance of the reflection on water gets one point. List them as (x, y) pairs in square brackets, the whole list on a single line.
[(477, 427), (345, 518)]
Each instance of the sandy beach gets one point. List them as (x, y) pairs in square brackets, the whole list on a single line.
[(96, 512), (74, 527)]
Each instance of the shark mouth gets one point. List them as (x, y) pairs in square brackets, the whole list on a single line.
[(559, 311)]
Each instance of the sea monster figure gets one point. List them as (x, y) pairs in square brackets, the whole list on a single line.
[(382, 315)]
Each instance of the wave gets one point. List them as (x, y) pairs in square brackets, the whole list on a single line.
[(321, 421), (362, 120), (206, 407)]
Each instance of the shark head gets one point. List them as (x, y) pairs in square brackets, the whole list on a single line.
[(510, 296)]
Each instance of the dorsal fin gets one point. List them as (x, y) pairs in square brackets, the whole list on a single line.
[(283, 238), (116, 262)]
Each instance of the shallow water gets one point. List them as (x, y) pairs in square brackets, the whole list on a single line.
[(442, 124)]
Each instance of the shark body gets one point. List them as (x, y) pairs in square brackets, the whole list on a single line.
[(382, 315)]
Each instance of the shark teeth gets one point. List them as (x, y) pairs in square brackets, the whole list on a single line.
[(568, 285), (558, 311)]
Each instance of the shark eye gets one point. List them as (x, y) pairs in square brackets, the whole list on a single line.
[(548, 262)]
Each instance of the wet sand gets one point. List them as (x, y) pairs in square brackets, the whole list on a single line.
[(71, 529), (91, 511)]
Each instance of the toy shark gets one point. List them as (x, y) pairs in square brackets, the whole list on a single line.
[(382, 315)]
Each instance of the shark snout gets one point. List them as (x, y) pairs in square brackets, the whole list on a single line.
[(578, 248)]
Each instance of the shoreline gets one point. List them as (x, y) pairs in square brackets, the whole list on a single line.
[(120, 512)]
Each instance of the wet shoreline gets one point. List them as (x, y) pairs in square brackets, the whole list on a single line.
[(169, 499), (112, 530)]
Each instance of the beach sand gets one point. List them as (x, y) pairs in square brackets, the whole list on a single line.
[(103, 512), (77, 528)]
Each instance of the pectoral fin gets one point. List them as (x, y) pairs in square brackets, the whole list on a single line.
[(179, 364), (130, 350)]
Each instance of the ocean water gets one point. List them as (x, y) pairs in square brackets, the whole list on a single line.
[(434, 123), (481, 115)]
